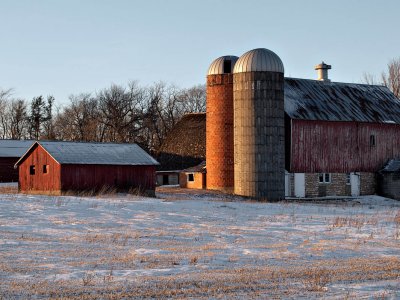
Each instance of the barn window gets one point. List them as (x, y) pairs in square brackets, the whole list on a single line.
[(45, 169), (190, 177), (32, 170), (348, 182), (324, 177), (372, 140)]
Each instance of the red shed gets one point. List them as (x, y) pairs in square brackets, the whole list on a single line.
[(59, 167), (10, 152)]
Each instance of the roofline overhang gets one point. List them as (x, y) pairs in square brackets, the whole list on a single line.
[(31, 148)]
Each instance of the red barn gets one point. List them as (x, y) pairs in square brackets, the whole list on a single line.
[(59, 167), (338, 135), (10, 152)]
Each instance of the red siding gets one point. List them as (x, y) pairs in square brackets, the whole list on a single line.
[(95, 177), (40, 182), (341, 147), (7, 171)]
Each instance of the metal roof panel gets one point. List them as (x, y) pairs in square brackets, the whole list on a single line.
[(14, 148), (98, 153), (336, 101)]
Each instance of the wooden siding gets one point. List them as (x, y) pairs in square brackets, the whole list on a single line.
[(40, 182), (7, 171), (341, 147), (96, 177)]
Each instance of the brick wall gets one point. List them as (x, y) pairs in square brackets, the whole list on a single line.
[(368, 183), (219, 132), (198, 183), (338, 185)]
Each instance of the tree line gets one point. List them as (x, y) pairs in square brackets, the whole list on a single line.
[(130, 113), (389, 78)]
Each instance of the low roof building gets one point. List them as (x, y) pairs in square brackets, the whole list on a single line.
[(59, 167)]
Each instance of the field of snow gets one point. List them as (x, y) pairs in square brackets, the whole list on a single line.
[(188, 245)]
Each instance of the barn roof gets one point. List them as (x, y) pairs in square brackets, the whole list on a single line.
[(393, 165), (95, 153), (200, 168), (185, 144), (336, 101), (14, 148)]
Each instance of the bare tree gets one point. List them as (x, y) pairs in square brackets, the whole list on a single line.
[(370, 79), (76, 121), (18, 119), (117, 112), (4, 116), (391, 79), (194, 99)]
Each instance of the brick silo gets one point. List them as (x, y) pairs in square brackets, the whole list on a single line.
[(259, 132), (219, 126)]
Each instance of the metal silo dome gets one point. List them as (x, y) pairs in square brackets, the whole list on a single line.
[(222, 65), (259, 60)]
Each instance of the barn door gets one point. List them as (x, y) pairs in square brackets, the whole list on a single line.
[(355, 184), (299, 185)]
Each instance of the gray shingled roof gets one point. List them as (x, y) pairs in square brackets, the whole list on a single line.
[(335, 101), (14, 148), (393, 165), (97, 153)]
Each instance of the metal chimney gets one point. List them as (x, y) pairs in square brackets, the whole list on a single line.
[(322, 70)]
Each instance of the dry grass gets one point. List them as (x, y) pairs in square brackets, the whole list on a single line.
[(160, 252), (8, 190), (246, 281)]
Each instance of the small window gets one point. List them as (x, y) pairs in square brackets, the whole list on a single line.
[(324, 178), (190, 177), (372, 141), (348, 182), (45, 169), (227, 66), (32, 170)]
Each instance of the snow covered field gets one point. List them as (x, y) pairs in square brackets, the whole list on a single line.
[(186, 245)]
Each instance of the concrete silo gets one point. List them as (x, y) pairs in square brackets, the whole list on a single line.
[(219, 128), (259, 132)]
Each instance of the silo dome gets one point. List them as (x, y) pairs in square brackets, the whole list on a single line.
[(222, 65), (259, 60)]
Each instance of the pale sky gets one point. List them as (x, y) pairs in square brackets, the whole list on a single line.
[(63, 47)]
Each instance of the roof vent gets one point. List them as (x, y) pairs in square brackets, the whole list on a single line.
[(322, 70)]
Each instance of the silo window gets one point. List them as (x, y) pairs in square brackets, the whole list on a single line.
[(227, 66), (190, 177), (372, 140), (32, 170)]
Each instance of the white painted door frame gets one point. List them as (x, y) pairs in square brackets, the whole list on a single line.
[(299, 185), (355, 184)]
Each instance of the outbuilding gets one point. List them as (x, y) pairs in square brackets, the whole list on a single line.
[(389, 179), (61, 167), (10, 152), (184, 147), (194, 177)]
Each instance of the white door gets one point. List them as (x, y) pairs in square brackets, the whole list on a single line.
[(299, 185), (355, 184), (287, 184)]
